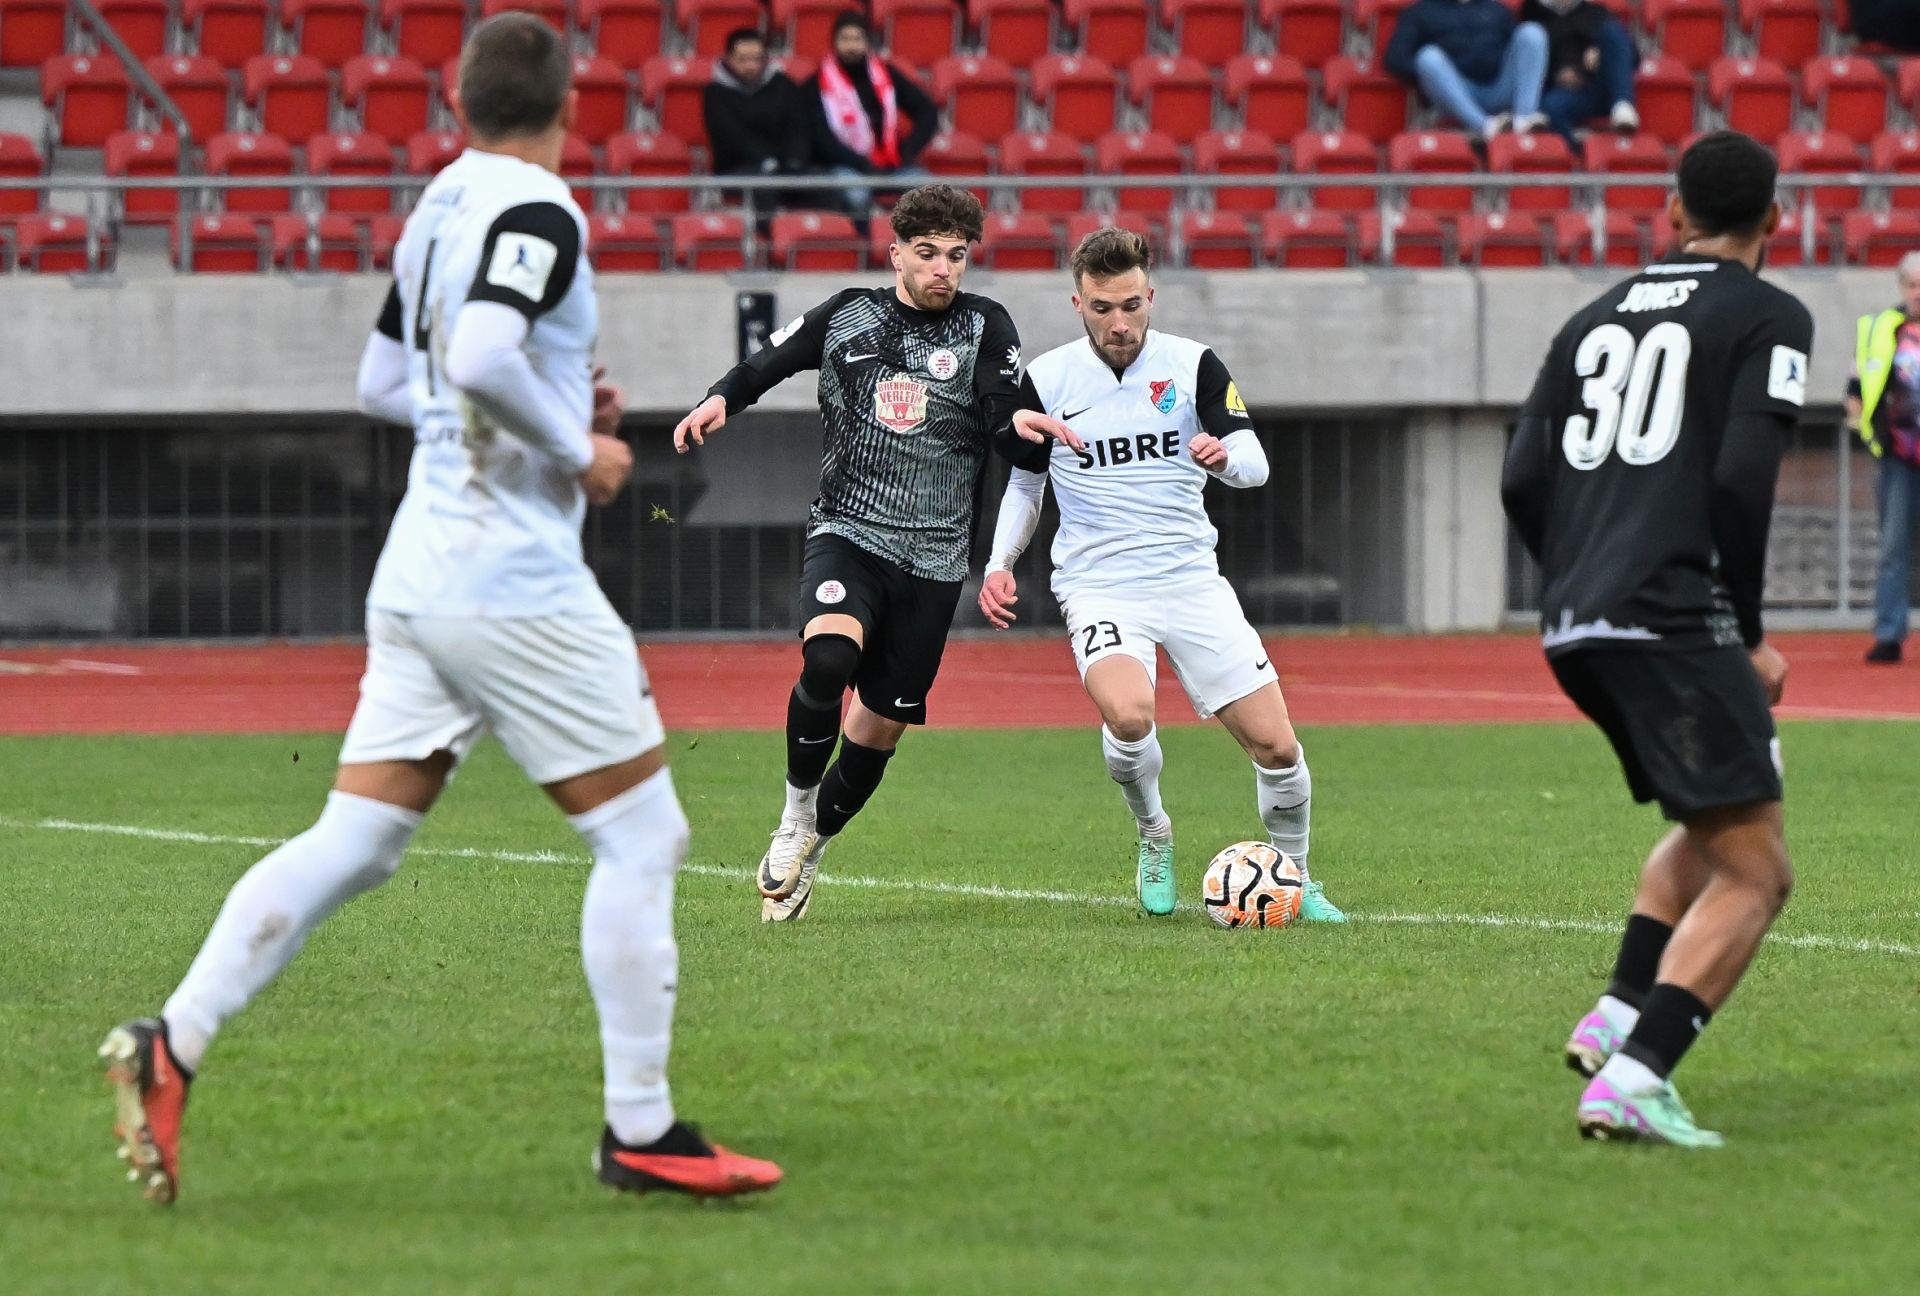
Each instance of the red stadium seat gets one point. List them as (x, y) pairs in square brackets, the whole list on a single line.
[(20, 160), (675, 89), (1238, 153), (1018, 31), (1378, 18), (1632, 154), (238, 153), (323, 242), (814, 241), (576, 161), (54, 243), (805, 24), (1625, 240), (1336, 153), (1306, 30), (1019, 241), (145, 153), (1880, 238), (289, 93), (1368, 100), (1078, 93), (602, 87), (428, 151), (1434, 151), (1307, 240), (364, 154), (1132, 153), (1212, 31), (1219, 240), (1851, 94), (1907, 84), (1039, 154), (707, 22), (391, 95), (88, 96), (332, 31), (1270, 94), (220, 244), (710, 241), (382, 233), (916, 33), (1787, 30), (1789, 245), (1663, 91), (31, 31), (1541, 152), (1503, 239), (617, 242), (1823, 154), (646, 154), (1755, 94), (427, 31), (227, 31), (1898, 153), (1148, 226), (198, 87), (142, 24), (626, 31), (957, 153), (556, 12), (1175, 93), (981, 95), (1114, 30), (1692, 31), (1418, 238)]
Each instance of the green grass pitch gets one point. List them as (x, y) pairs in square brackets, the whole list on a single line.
[(970, 1093)]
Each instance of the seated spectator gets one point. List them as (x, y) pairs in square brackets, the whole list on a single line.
[(754, 123), (869, 118), (1590, 63), (1884, 22), (1473, 62)]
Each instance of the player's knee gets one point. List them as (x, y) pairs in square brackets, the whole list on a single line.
[(1131, 722), (828, 662), (1274, 753)]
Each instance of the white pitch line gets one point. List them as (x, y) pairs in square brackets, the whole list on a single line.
[(984, 891)]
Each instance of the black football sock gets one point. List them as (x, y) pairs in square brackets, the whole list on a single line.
[(810, 734), (848, 784), (1670, 1022), (1639, 960)]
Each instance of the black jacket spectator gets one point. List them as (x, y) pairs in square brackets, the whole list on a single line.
[(1472, 33), (1886, 22), (755, 127)]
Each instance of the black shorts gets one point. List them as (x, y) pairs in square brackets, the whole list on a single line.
[(906, 619), (1692, 729)]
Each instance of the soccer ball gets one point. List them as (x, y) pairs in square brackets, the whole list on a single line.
[(1252, 884)]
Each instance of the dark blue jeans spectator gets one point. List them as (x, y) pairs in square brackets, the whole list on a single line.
[(1899, 492), (1569, 107)]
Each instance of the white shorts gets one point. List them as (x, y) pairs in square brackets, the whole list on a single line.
[(564, 694), (1215, 652)]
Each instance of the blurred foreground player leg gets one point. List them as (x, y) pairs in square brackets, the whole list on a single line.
[(1641, 476), (482, 615)]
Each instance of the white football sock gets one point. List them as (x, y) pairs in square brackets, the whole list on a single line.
[(800, 804), (353, 846), (1620, 1014), (1629, 1075), (1136, 766), (1286, 807), (639, 841)]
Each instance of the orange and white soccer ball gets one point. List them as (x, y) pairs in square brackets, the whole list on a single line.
[(1251, 884)]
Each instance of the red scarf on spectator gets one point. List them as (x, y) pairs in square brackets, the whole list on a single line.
[(848, 116)]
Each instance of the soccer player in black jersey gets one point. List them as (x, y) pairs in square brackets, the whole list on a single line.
[(917, 381), (1641, 476)]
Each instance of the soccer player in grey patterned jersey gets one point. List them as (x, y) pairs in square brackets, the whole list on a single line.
[(917, 381)]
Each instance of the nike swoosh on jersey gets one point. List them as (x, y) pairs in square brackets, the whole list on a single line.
[(1259, 665), (856, 359), (1068, 418)]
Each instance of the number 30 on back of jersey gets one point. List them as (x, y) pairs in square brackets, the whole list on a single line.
[(1636, 390)]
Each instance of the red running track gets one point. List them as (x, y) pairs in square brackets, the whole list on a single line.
[(985, 683)]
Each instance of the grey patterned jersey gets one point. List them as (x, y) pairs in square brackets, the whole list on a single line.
[(911, 401)]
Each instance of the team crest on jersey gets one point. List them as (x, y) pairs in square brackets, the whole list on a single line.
[(1163, 395), (900, 403), (943, 364)]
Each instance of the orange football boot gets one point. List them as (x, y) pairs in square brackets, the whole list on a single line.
[(150, 1097)]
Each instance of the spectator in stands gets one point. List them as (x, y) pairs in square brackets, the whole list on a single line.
[(1883, 406), (1590, 63), (1885, 22), (754, 125), (1474, 61), (869, 119)]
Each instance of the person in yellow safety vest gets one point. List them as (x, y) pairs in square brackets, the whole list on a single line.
[(1883, 406)]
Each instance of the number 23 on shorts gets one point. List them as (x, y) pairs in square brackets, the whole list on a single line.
[(1098, 637)]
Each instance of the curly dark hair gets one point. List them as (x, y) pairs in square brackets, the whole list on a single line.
[(514, 76), (1109, 252), (938, 209), (1726, 183)]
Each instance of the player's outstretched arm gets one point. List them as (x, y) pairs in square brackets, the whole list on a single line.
[(381, 388), (799, 346), (1012, 531), (1226, 445), (486, 359)]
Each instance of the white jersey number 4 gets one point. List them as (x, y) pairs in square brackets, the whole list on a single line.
[(1636, 392)]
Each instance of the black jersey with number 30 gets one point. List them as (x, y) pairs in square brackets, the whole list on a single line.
[(1642, 471)]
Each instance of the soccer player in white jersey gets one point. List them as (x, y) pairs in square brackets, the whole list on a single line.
[(1134, 563), (482, 616)]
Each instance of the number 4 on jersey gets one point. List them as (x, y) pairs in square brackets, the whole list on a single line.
[(1636, 390)]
